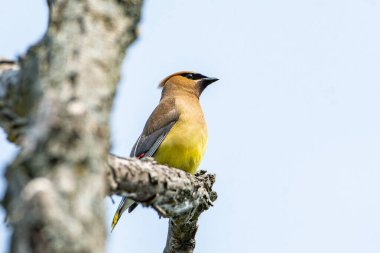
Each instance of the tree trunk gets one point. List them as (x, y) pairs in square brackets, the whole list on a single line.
[(56, 184)]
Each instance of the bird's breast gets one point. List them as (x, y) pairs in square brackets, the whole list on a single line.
[(185, 144)]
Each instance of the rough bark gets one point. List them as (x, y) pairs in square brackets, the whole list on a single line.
[(170, 191), (13, 124), (55, 104), (56, 185), (173, 193)]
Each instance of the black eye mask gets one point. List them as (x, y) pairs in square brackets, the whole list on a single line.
[(193, 76)]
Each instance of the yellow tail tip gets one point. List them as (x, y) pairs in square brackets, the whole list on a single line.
[(115, 220)]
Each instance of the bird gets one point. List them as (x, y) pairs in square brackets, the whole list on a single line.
[(175, 133)]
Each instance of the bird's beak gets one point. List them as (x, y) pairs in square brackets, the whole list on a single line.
[(209, 80)]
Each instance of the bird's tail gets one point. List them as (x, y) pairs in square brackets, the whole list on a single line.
[(124, 205)]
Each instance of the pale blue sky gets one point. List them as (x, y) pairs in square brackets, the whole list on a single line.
[(293, 122)]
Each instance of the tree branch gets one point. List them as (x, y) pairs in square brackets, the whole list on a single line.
[(173, 193), (12, 123)]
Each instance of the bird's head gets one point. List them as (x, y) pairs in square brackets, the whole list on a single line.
[(186, 81)]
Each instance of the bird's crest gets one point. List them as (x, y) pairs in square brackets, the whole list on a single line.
[(162, 83)]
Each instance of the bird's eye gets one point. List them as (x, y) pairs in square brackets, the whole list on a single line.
[(189, 76)]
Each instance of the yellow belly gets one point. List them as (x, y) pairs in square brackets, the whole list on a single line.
[(183, 147)]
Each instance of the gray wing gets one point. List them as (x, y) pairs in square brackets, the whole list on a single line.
[(147, 145), (156, 129)]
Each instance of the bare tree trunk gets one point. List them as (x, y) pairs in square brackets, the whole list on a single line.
[(56, 106), (56, 184)]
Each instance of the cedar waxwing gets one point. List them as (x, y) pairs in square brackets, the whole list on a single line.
[(175, 133)]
